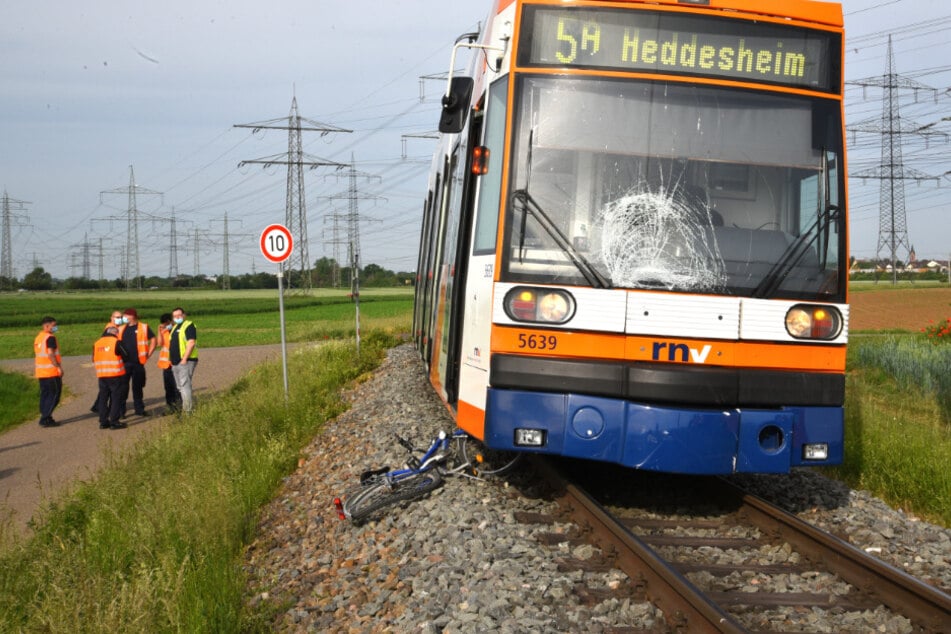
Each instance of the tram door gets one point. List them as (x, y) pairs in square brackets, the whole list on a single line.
[(460, 194)]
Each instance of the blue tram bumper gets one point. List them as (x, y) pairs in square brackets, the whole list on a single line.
[(664, 438)]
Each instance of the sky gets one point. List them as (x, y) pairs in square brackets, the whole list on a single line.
[(92, 91)]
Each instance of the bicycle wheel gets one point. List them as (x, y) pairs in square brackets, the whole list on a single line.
[(368, 500), (488, 462)]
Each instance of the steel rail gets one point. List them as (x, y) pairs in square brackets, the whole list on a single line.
[(689, 609), (685, 607), (928, 608)]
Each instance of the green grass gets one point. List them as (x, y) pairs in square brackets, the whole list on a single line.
[(154, 544), (913, 361), (20, 396), (886, 283), (898, 423)]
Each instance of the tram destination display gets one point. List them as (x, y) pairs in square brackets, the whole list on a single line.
[(650, 41)]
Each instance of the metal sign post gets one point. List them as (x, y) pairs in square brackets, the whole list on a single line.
[(280, 303), (276, 246)]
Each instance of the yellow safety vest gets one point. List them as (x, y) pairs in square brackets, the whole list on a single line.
[(178, 332)]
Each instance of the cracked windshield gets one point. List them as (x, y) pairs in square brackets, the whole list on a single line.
[(703, 190)]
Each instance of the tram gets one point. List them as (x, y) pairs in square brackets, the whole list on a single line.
[(633, 246)]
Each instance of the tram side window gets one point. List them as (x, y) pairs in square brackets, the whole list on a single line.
[(490, 184), (455, 181)]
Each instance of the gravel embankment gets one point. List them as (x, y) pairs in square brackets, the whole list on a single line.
[(458, 561)]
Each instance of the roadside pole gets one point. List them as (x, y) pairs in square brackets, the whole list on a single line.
[(276, 246), (280, 303)]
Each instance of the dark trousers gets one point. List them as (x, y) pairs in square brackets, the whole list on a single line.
[(173, 398), (50, 391), (110, 399), (135, 378)]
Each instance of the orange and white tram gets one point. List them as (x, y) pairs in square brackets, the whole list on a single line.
[(634, 245)]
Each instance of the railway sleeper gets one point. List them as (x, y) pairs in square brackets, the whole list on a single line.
[(851, 603), (722, 570), (594, 564)]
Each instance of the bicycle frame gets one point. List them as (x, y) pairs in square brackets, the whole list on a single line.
[(408, 482), (432, 457)]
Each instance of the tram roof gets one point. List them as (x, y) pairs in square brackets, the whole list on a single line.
[(827, 13)]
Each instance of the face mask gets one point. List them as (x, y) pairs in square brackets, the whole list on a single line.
[(125, 319), (54, 328), (168, 326), (117, 321), (179, 320)]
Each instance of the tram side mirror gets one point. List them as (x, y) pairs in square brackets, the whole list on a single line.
[(455, 105)]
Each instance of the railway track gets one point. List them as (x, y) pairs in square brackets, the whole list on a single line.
[(716, 559)]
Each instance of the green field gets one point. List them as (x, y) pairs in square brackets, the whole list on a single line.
[(864, 286), (223, 318)]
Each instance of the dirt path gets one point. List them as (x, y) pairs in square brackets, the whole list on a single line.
[(38, 463)]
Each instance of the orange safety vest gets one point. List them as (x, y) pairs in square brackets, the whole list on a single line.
[(44, 365), (165, 337), (107, 361), (141, 340)]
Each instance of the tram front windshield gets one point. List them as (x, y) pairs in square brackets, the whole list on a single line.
[(666, 186)]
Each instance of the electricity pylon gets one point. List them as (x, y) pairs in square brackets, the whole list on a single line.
[(892, 220), (352, 218), (131, 261), (13, 216), (227, 239), (84, 259), (173, 248), (295, 159)]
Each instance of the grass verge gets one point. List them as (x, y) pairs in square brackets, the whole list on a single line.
[(897, 427), (154, 543), (20, 396)]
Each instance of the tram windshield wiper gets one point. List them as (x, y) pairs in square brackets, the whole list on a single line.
[(826, 213), (527, 205)]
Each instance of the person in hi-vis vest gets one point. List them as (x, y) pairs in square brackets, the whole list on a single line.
[(108, 357), (139, 341), (183, 354), (48, 370), (173, 398), (115, 320)]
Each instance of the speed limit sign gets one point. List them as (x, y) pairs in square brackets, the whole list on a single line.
[(276, 243)]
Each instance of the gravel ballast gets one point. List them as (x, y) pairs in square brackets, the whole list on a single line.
[(459, 561)]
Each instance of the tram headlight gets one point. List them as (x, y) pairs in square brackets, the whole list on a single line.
[(813, 322), (539, 305)]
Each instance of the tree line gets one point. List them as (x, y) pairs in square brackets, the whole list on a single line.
[(325, 274)]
